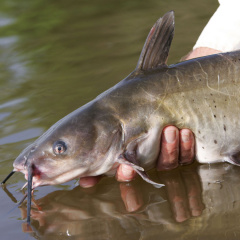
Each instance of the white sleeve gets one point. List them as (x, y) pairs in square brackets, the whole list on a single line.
[(223, 30)]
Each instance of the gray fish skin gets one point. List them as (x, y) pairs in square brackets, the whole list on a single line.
[(124, 124)]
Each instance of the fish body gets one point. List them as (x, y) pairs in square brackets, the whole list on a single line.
[(124, 124)]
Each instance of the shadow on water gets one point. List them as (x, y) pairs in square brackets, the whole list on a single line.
[(54, 57)]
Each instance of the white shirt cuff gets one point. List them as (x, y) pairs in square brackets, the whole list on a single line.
[(223, 30)]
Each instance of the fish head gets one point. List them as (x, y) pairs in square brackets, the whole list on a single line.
[(78, 145)]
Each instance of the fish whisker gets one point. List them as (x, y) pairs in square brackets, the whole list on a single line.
[(8, 176), (21, 201), (25, 184), (29, 192)]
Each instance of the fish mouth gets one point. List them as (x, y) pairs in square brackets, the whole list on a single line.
[(22, 170), (42, 176), (44, 179), (36, 175)]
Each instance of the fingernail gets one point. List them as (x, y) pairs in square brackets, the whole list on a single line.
[(185, 134), (127, 171), (87, 182), (170, 136), (85, 185)]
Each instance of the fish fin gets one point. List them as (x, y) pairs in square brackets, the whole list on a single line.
[(234, 159), (130, 160), (146, 178), (156, 48), (134, 166)]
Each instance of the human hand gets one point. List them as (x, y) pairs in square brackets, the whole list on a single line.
[(200, 52), (177, 148)]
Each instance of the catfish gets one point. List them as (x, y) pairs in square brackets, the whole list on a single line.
[(124, 124)]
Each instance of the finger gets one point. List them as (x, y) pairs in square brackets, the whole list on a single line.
[(168, 158), (87, 182), (131, 197), (125, 173), (187, 145)]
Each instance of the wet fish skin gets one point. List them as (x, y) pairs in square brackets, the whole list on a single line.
[(203, 96), (124, 124)]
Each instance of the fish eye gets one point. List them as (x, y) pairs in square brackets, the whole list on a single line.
[(59, 147)]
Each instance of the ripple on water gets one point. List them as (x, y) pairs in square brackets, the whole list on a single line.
[(21, 136), (4, 115), (12, 103), (4, 21)]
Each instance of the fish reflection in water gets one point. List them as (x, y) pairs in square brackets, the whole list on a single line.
[(197, 201)]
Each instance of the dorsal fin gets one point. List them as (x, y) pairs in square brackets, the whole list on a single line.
[(156, 48)]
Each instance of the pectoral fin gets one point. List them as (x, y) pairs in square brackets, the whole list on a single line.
[(234, 158), (130, 159)]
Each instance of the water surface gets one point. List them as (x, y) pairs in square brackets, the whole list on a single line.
[(56, 56)]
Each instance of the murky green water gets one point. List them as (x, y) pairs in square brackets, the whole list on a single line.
[(54, 57)]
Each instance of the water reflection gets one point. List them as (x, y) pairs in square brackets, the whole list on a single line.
[(110, 210), (184, 192)]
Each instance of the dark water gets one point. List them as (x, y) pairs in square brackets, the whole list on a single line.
[(54, 57)]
